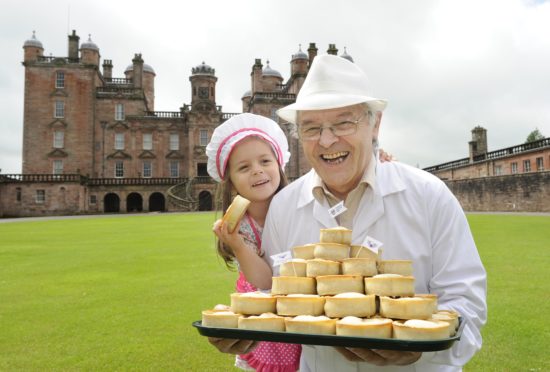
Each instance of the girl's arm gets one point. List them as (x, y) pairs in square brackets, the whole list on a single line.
[(254, 268)]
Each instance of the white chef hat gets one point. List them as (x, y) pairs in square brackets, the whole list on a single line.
[(237, 128)]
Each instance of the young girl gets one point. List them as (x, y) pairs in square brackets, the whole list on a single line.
[(247, 155)]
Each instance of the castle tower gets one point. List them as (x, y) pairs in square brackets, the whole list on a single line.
[(246, 100), (299, 62), (33, 49), (89, 52), (58, 109), (203, 86), (478, 144)]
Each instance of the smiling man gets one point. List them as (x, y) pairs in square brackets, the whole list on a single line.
[(410, 211)]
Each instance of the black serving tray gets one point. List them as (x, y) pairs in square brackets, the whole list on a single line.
[(327, 340)]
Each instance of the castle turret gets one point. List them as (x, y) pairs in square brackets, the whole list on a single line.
[(73, 47), (89, 52), (246, 100), (145, 78), (149, 86), (299, 62), (33, 49), (478, 144), (271, 79), (203, 85)]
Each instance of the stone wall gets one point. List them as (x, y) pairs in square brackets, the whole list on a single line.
[(525, 192), (20, 199)]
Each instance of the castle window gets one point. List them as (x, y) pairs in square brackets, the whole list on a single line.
[(93, 199), (201, 170), (147, 169), (58, 167), (40, 196), (60, 79), (58, 139), (514, 168), (119, 111), (119, 141), (498, 170), (59, 109), (147, 141), (527, 166), (540, 164), (119, 169), (18, 194), (174, 142), (203, 137), (174, 169)]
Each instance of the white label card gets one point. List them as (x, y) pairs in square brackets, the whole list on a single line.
[(281, 258), (372, 243), (337, 210)]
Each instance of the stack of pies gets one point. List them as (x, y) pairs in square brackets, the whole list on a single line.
[(335, 288)]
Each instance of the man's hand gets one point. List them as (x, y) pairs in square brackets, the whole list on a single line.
[(379, 357), (385, 157), (231, 346)]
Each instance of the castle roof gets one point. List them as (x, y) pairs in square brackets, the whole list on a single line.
[(33, 42), (268, 71), (203, 69), (299, 54), (346, 55), (146, 68), (89, 44)]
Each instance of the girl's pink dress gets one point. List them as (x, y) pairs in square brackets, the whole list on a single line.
[(267, 356)]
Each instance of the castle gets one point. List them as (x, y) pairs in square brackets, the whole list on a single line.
[(93, 143)]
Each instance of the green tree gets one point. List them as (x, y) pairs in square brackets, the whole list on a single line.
[(534, 136)]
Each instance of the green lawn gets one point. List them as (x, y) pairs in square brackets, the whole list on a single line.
[(120, 293)]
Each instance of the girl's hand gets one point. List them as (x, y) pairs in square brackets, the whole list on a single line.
[(233, 240)]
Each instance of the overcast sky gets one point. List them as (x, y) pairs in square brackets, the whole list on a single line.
[(444, 66)]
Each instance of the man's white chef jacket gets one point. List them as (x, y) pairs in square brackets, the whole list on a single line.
[(417, 218)]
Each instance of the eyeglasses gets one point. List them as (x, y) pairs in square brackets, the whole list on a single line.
[(344, 128)]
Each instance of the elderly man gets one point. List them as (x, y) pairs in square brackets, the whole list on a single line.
[(411, 212)]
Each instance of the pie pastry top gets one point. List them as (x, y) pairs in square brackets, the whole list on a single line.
[(416, 329), (339, 235), (358, 327)]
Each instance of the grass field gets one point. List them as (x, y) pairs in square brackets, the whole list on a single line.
[(120, 293)]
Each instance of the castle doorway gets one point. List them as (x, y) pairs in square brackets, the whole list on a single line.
[(205, 201), (111, 203), (156, 202), (134, 202)]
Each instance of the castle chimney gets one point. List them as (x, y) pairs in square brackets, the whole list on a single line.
[(73, 46), (138, 71), (332, 49), (312, 52), (257, 76), (107, 69)]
